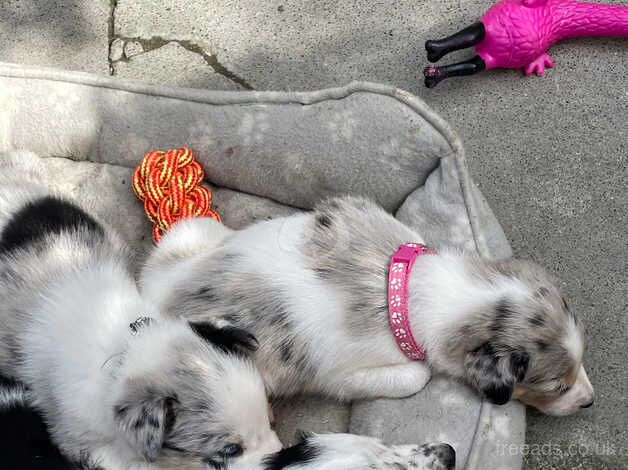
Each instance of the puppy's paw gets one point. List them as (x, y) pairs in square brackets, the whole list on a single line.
[(411, 379), (433, 457), (397, 381), (422, 375)]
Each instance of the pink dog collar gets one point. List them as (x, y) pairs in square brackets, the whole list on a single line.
[(398, 274)]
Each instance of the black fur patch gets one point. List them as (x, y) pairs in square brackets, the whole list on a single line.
[(495, 389), (498, 393), (324, 220), (228, 339), (24, 440), (519, 361), (503, 313), (301, 453), (48, 215)]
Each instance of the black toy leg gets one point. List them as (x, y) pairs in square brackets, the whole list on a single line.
[(434, 74), (461, 40)]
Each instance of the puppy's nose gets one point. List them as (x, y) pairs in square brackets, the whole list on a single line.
[(447, 456), (588, 404)]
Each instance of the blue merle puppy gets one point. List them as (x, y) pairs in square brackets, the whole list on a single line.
[(313, 288)]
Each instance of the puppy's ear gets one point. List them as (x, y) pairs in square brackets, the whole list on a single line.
[(228, 338), (495, 372), (144, 416)]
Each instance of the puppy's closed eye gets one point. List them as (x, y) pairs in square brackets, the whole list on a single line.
[(561, 388)]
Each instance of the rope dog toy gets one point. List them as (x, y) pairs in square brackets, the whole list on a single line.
[(168, 183), (517, 33)]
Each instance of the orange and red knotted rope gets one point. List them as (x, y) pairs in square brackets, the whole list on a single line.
[(169, 185)]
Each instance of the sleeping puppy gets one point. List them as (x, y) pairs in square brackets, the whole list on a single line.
[(25, 445), (313, 288), (348, 451), (118, 384)]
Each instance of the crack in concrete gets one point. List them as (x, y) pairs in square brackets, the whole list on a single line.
[(111, 25), (155, 42)]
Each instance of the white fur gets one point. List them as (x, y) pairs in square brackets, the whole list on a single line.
[(185, 239)]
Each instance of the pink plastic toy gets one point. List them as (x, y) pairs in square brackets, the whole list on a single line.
[(517, 33)]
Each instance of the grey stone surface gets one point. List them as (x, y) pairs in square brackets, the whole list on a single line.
[(62, 33), (172, 60), (548, 153), (294, 45)]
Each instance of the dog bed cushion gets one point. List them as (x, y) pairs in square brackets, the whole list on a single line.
[(268, 154)]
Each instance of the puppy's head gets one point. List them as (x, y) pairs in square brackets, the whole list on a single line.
[(193, 390), (529, 344), (344, 451)]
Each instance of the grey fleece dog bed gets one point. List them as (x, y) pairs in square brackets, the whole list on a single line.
[(268, 154)]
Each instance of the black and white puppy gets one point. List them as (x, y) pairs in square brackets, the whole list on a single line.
[(25, 445), (119, 385), (348, 451), (313, 288)]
